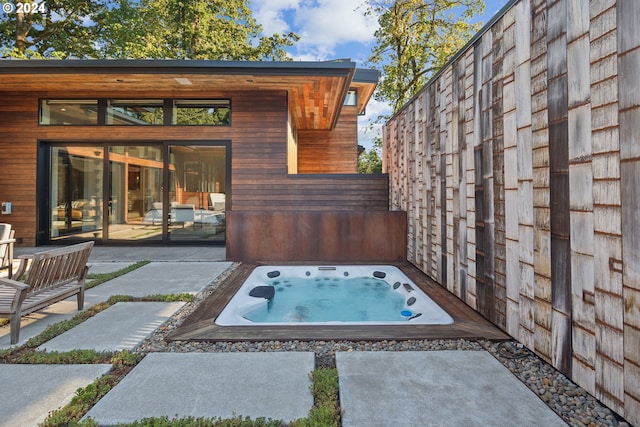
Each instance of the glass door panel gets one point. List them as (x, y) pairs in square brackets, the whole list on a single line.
[(76, 193), (135, 185), (197, 192)]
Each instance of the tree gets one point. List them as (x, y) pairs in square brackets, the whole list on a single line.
[(370, 161), (188, 29), (43, 29), (415, 39), (140, 29)]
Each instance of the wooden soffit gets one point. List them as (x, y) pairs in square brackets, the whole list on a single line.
[(316, 90)]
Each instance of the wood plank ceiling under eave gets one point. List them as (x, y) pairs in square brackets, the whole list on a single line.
[(314, 100)]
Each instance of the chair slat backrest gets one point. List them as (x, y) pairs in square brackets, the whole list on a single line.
[(58, 266), (5, 234)]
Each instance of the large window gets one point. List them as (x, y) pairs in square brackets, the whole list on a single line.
[(69, 112), (201, 112), (135, 112), (138, 192), (141, 112)]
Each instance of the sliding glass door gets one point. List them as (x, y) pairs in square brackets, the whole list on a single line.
[(197, 192), (139, 192), (76, 193), (135, 191)]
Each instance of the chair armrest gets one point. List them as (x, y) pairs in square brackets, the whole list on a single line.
[(19, 286), (22, 268), (20, 292), (4, 242)]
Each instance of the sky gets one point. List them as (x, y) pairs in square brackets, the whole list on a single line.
[(334, 29)]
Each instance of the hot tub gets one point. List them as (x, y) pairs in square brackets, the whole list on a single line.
[(321, 295)]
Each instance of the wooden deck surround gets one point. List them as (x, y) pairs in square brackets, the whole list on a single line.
[(468, 324)]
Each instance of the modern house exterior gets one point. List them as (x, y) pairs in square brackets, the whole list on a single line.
[(163, 151), (518, 165)]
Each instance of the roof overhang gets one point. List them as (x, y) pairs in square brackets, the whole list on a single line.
[(316, 90), (365, 82)]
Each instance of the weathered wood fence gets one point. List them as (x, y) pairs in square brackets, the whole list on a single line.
[(519, 167)]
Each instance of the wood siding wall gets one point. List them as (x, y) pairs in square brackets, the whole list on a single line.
[(335, 151), (519, 167), (258, 134), (260, 138)]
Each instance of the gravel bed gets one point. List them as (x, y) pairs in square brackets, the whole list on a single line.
[(570, 401)]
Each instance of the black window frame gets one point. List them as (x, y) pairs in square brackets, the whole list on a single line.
[(168, 111)]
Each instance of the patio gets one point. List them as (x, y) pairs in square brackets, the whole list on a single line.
[(414, 374)]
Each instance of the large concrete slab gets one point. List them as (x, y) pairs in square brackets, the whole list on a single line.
[(435, 388), (120, 327), (30, 392), (162, 278), (107, 267), (271, 385)]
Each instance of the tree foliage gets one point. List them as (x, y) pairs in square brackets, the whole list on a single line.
[(415, 39), (61, 28), (141, 29), (370, 161)]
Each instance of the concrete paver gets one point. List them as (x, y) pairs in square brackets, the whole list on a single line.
[(162, 278), (30, 392), (270, 385), (435, 388), (120, 327)]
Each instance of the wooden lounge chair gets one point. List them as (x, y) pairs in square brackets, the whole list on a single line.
[(52, 276), (6, 248)]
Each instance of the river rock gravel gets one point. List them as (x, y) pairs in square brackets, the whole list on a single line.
[(570, 401)]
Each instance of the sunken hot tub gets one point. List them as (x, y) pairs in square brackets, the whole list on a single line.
[(321, 295)]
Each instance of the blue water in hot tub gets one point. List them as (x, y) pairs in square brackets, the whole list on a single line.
[(325, 299)]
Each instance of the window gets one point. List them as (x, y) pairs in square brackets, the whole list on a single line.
[(69, 112), (352, 98), (201, 112), (135, 112)]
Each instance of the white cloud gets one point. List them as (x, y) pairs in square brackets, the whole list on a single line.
[(368, 126), (326, 24), (271, 14), (322, 25)]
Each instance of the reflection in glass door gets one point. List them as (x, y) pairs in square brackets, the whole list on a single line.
[(135, 174), (197, 192), (76, 194), (130, 197)]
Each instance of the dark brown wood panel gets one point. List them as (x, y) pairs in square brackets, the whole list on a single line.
[(335, 151), (317, 192), (467, 323), (341, 236)]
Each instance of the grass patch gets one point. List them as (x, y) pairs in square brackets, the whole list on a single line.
[(88, 396), (326, 409), (99, 278)]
